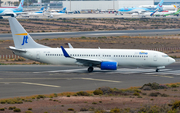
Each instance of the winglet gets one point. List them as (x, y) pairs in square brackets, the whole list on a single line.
[(70, 46), (64, 52)]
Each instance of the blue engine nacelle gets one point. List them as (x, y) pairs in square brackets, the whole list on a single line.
[(109, 65)]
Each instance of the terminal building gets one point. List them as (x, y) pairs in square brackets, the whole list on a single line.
[(105, 5)]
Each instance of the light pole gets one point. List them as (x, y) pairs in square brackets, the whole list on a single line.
[(70, 5)]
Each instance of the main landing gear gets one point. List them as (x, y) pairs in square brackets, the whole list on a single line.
[(157, 70), (90, 69), (1, 17)]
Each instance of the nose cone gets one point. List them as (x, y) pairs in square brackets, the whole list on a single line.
[(171, 60)]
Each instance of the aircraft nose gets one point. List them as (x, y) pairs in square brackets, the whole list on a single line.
[(171, 60)]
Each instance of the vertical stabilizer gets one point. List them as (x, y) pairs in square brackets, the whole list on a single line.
[(159, 6), (21, 4), (21, 38), (41, 9), (63, 11)]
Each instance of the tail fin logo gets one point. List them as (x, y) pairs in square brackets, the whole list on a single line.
[(21, 4), (160, 5), (24, 40)]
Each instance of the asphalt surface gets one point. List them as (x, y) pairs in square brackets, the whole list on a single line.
[(26, 80), (98, 33)]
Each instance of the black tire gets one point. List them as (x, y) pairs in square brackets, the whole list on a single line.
[(90, 69), (1, 17), (157, 70)]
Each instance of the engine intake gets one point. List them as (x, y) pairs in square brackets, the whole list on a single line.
[(109, 65)]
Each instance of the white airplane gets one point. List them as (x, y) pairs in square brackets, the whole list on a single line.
[(37, 13), (105, 59), (53, 13), (149, 11), (13, 12), (141, 10), (164, 7)]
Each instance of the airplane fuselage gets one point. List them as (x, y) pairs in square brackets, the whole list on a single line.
[(124, 57)]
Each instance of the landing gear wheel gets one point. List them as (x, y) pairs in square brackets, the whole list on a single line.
[(1, 17), (90, 69), (157, 70)]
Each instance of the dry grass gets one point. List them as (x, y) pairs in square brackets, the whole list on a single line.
[(127, 104), (61, 25)]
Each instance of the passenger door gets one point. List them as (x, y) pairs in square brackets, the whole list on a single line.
[(37, 55), (155, 57)]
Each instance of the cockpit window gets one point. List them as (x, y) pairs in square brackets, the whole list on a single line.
[(165, 56)]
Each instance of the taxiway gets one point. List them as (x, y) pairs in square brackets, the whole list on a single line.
[(26, 80), (156, 32)]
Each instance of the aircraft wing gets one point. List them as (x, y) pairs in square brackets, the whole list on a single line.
[(85, 61)]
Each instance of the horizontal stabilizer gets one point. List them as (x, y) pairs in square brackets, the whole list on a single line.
[(15, 49)]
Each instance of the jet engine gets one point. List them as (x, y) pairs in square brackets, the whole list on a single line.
[(109, 65), (14, 15)]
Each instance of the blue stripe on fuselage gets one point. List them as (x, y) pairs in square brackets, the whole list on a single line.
[(15, 10)]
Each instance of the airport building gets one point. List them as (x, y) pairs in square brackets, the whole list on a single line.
[(73, 5), (168, 2), (104, 5)]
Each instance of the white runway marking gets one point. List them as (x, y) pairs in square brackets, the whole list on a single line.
[(101, 80), (30, 84), (106, 33), (40, 84), (66, 71)]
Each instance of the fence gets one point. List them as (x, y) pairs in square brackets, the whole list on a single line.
[(8, 56)]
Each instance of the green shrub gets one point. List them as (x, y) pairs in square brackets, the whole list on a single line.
[(55, 95), (68, 95), (27, 100), (100, 101), (11, 108), (17, 110), (83, 109), (29, 108), (164, 95), (154, 94), (153, 85), (2, 109), (98, 92), (70, 109), (28, 112), (136, 94), (40, 96), (82, 93), (75, 95), (176, 105), (83, 37), (115, 110), (174, 86), (94, 103), (3, 102)]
